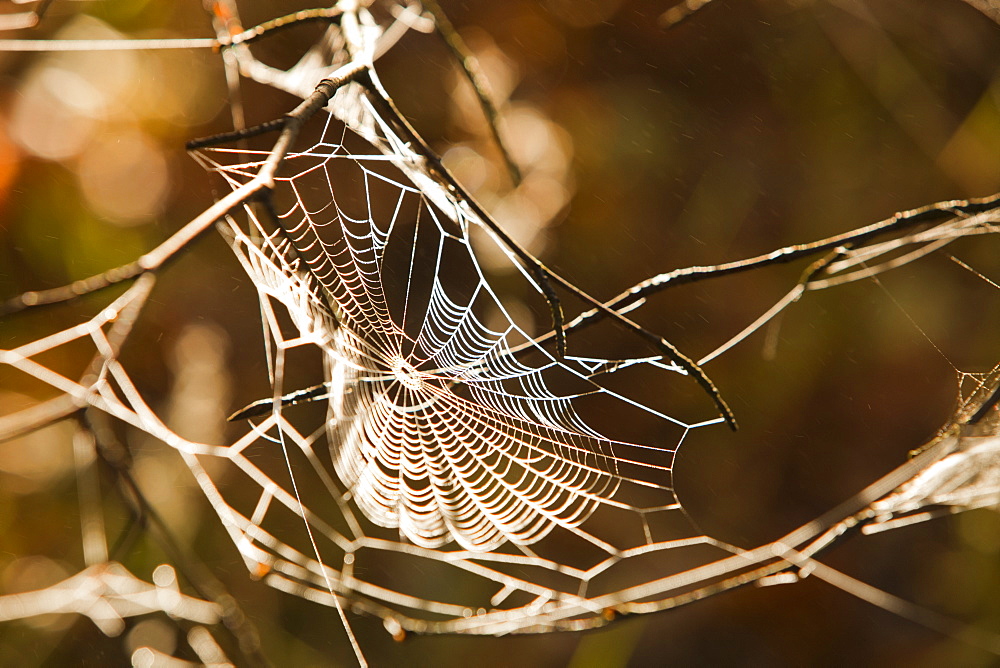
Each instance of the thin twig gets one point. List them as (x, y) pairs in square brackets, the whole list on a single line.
[(469, 65), (326, 15), (266, 406), (149, 262), (236, 135)]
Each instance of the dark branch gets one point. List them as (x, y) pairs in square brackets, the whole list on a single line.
[(988, 405), (930, 213), (236, 135), (470, 68), (264, 406)]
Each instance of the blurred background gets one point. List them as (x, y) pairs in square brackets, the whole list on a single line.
[(752, 125)]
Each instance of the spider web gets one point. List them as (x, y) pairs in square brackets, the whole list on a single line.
[(462, 436), (441, 426)]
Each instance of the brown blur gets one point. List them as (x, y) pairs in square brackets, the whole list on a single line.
[(751, 125)]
